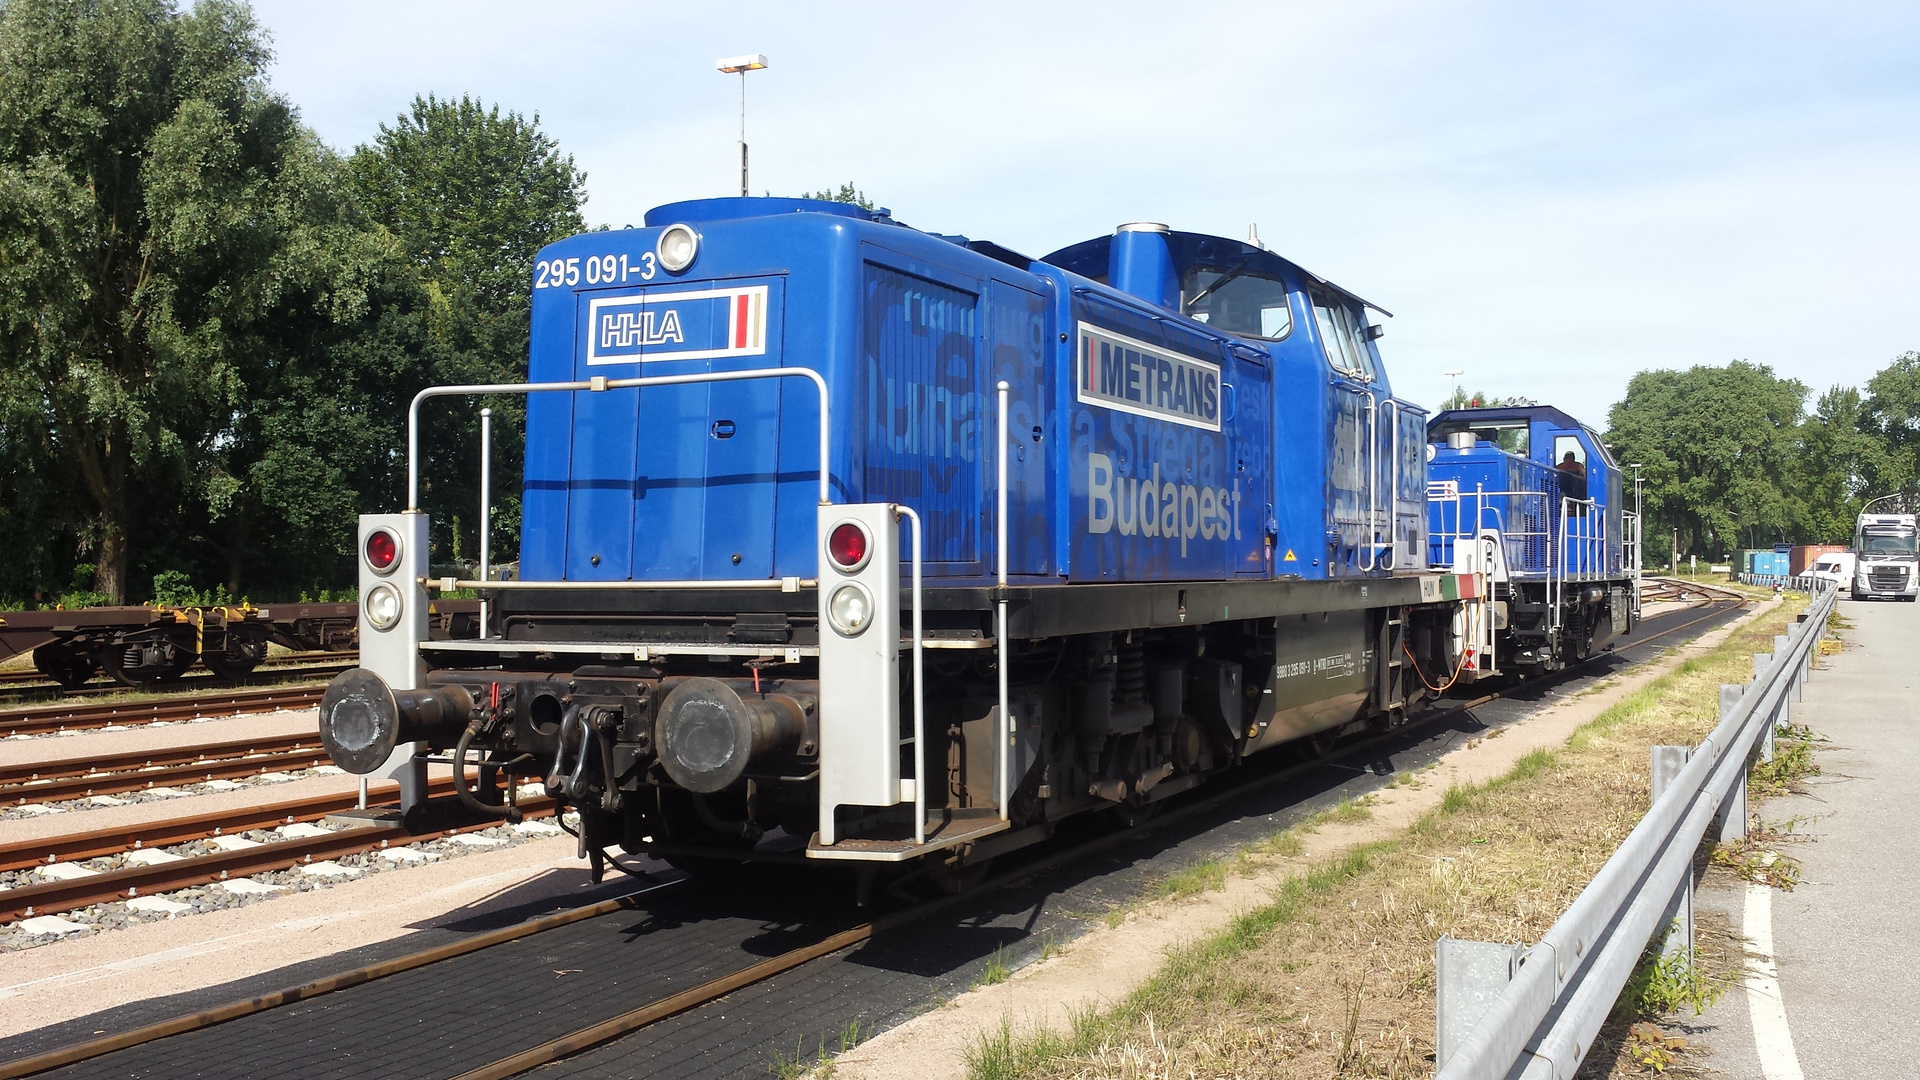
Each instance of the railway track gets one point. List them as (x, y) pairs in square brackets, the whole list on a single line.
[(829, 941), (50, 719), (183, 872), (73, 847), (77, 778), (35, 681), (32, 694)]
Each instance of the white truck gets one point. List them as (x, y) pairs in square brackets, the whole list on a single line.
[(1886, 557)]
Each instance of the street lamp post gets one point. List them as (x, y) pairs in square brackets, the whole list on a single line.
[(1455, 376), (742, 65)]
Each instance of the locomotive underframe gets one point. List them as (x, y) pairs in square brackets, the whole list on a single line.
[(1592, 613), (1126, 694)]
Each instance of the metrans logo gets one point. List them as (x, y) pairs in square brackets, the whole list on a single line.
[(1132, 376), (700, 324)]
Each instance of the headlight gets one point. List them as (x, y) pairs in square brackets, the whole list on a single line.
[(383, 606), (676, 247), (850, 609)]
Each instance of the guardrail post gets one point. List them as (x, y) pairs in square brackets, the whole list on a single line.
[(1467, 977), (1731, 822), (1761, 662), (1782, 644), (1667, 763)]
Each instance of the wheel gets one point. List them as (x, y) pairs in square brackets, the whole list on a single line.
[(237, 660), (71, 668), (144, 663), (178, 664), (685, 819)]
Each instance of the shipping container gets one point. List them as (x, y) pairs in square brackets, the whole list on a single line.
[(1806, 555)]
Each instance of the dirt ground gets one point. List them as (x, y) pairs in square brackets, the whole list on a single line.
[(1314, 956)]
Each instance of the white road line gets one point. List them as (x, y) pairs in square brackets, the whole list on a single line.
[(1771, 1036)]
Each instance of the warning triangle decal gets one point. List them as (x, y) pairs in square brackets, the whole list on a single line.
[(1291, 557)]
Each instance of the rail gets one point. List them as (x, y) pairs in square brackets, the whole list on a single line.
[(1542, 1022)]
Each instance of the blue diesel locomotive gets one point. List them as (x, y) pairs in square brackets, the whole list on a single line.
[(847, 541), (1530, 499)]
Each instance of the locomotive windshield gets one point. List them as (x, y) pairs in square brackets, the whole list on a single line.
[(1346, 351), (1513, 436), (1886, 540), (1238, 301)]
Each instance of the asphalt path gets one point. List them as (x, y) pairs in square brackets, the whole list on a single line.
[(1845, 943), (438, 1020)]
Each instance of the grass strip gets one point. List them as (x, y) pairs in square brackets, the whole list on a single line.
[(1333, 976)]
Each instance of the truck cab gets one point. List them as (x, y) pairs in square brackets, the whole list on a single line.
[(1887, 560)]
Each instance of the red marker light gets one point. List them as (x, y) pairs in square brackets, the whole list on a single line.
[(847, 544), (382, 550)]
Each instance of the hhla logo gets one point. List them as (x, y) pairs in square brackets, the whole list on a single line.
[(625, 329)]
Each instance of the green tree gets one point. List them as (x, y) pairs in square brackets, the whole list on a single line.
[(1718, 448), (152, 197), (1891, 414), (847, 194), (1836, 457), (470, 194)]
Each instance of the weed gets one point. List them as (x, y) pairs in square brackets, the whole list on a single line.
[(1653, 1048), (1792, 762), (1003, 1054), (997, 969), (1753, 859), (853, 1035), (1344, 1058), (818, 1065), (1663, 985), (1208, 876), (1287, 844), (1359, 809)]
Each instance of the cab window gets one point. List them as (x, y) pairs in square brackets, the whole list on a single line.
[(1345, 352), (1238, 301), (1568, 453)]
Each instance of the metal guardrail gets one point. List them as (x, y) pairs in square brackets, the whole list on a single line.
[(1805, 583), (1539, 1010)]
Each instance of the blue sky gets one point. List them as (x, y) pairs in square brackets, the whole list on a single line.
[(1548, 197)]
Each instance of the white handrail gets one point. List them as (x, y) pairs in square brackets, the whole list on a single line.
[(598, 384), (1005, 734), (919, 691)]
